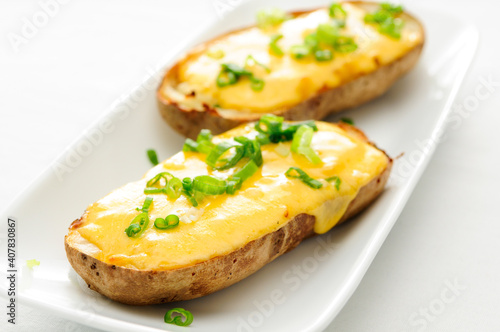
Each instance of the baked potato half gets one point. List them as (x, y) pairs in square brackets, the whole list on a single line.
[(302, 181), (300, 65)]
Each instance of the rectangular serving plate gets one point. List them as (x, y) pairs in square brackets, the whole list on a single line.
[(301, 291)]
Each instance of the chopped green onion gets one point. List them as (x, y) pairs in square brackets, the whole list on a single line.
[(336, 11), (187, 184), (231, 73), (202, 144), (345, 44), (218, 54), (246, 171), (271, 122), (256, 84), (304, 177), (323, 55), (386, 20), (174, 188), (327, 33), (299, 51), (153, 190), (270, 17), (282, 150), (190, 197), (204, 141), (153, 158), (233, 184), (147, 203), (336, 179), (157, 179), (178, 320), (273, 46), (301, 144), (32, 263), (272, 127), (226, 78), (348, 121), (209, 185), (392, 28), (393, 9), (141, 221), (251, 61), (190, 145), (170, 221), (220, 149)]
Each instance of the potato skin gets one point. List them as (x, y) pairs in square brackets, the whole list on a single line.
[(144, 287), (355, 92)]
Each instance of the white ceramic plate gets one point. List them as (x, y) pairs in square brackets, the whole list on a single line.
[(301, 291)]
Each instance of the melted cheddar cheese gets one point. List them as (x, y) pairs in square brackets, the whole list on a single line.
[(289, 81), (224, 223)]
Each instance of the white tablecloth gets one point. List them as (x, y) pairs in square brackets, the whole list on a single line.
[(438, 269)]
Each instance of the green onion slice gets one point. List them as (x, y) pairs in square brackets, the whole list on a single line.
[(174, 188), (157, 179), (209, 185), (141, 221), (216, 54), (393, 9), (348, 121), (251, 61), (270, 17), (327, 33), (178, 320), (153, 157), (323, 55), (345, 44), (301, 144), (220, 150), (304, 177), (202, 144), (273, 45), (256, 84), (300, 51), (336, 179), (336, 11), (231, 73), (226, 78), (386, 18), (170, 221)]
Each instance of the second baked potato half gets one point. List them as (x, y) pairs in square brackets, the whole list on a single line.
[(300, 65), (240, 205)]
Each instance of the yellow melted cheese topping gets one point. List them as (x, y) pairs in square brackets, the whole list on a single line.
[(289, 81), (224, 223)]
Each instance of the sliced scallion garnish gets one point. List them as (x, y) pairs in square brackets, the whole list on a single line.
[(348, 121), (185, 318), (387, 21), (209, 185), (153, 157), (168, 222), (301, 144), (141, 221), (336, 179), (251, 61), (304, 177), (270, 17), (273, 45)]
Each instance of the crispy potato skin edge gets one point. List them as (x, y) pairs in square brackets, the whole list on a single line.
[(144, 287), (355, 92)]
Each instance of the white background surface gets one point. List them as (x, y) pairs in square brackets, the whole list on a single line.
[(91, 52)]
